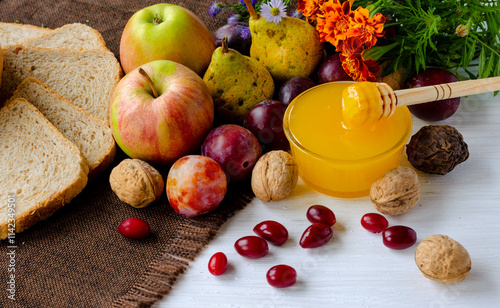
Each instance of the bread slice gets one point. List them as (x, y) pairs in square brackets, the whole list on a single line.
[(16, 33), (86, 78), (41, 169), (92, 135), (74, 36)]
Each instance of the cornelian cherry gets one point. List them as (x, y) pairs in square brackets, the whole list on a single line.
[(217, 264), (281, 276), (252, 247), (134, 228), (374, 222), (316, 235), (272, 231), (321, 214), (399, 237)]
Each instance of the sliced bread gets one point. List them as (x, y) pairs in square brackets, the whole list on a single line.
[(16, 33), (41, 169), (86, 78), (74, 36), (92, 135)]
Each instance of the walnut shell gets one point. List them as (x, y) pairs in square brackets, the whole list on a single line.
[(440, 258), (396, 192), (437, 149), (136, 182), (274, 176)]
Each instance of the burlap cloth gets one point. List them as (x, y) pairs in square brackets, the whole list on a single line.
[(77, 258)]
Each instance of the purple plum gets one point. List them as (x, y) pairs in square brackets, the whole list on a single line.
[(331, 70), (293, 87), (238, 35), (433, 111), (235, 148), (265, 121)]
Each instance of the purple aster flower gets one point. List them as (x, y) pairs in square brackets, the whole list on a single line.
[(233, 18), (298, 15), (244, 5), (214, 9), (245, 33)]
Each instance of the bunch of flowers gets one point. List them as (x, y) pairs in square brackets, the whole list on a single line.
[(351, 32), (457, 35), (240, 11)]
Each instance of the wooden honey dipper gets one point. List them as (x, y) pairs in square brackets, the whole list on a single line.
[(363, 103)]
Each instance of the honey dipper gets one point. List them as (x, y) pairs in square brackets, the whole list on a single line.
[(363, 103)]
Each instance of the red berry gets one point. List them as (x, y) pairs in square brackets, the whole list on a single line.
[(252, 247), (399, 237), (316, 235), (272, 231), (281, 276), (374, 222), (321, 214), (217, 264), (134, 228)]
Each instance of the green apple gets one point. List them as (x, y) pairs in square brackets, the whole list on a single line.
[(166, 32)]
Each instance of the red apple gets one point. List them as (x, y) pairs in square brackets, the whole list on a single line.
[(196, 185), (166, 32), (159, 130)]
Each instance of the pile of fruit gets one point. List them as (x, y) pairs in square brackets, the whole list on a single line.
[(209, 107)]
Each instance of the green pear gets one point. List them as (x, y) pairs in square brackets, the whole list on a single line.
[(291, 48), (237, 83)]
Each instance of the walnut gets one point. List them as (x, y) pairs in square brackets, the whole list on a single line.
[(136, 182), (274, 176), (442, 259), (396, 192), (437, 149)]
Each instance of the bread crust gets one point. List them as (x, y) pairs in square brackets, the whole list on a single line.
[(37, 41), (98, 166), (19, 64), (11, 33), (44, 208)]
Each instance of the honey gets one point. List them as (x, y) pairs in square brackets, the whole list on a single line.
[(337, 160), (361, 105)]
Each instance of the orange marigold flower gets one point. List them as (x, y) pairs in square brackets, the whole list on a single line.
[(334, 21), (365, 28), (354, 64), (310, 8)]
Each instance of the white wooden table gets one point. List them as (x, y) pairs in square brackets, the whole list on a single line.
[(355, 269)]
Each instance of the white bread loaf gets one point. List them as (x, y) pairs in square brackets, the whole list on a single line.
[(86, 78), (92, 135), (16, 33), (74, 36), (41, 170)]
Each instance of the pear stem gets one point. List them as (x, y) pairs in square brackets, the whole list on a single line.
[(225, 46), (251, 9), (150, 82)]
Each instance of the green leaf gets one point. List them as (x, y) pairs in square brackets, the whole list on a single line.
[(496, 70), (472, 51), (482, 61), (378, 52), (489, 66)]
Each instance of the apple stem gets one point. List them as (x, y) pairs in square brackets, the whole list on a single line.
[(225, 46), (251, 9), (157, 20), (150, 82)]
